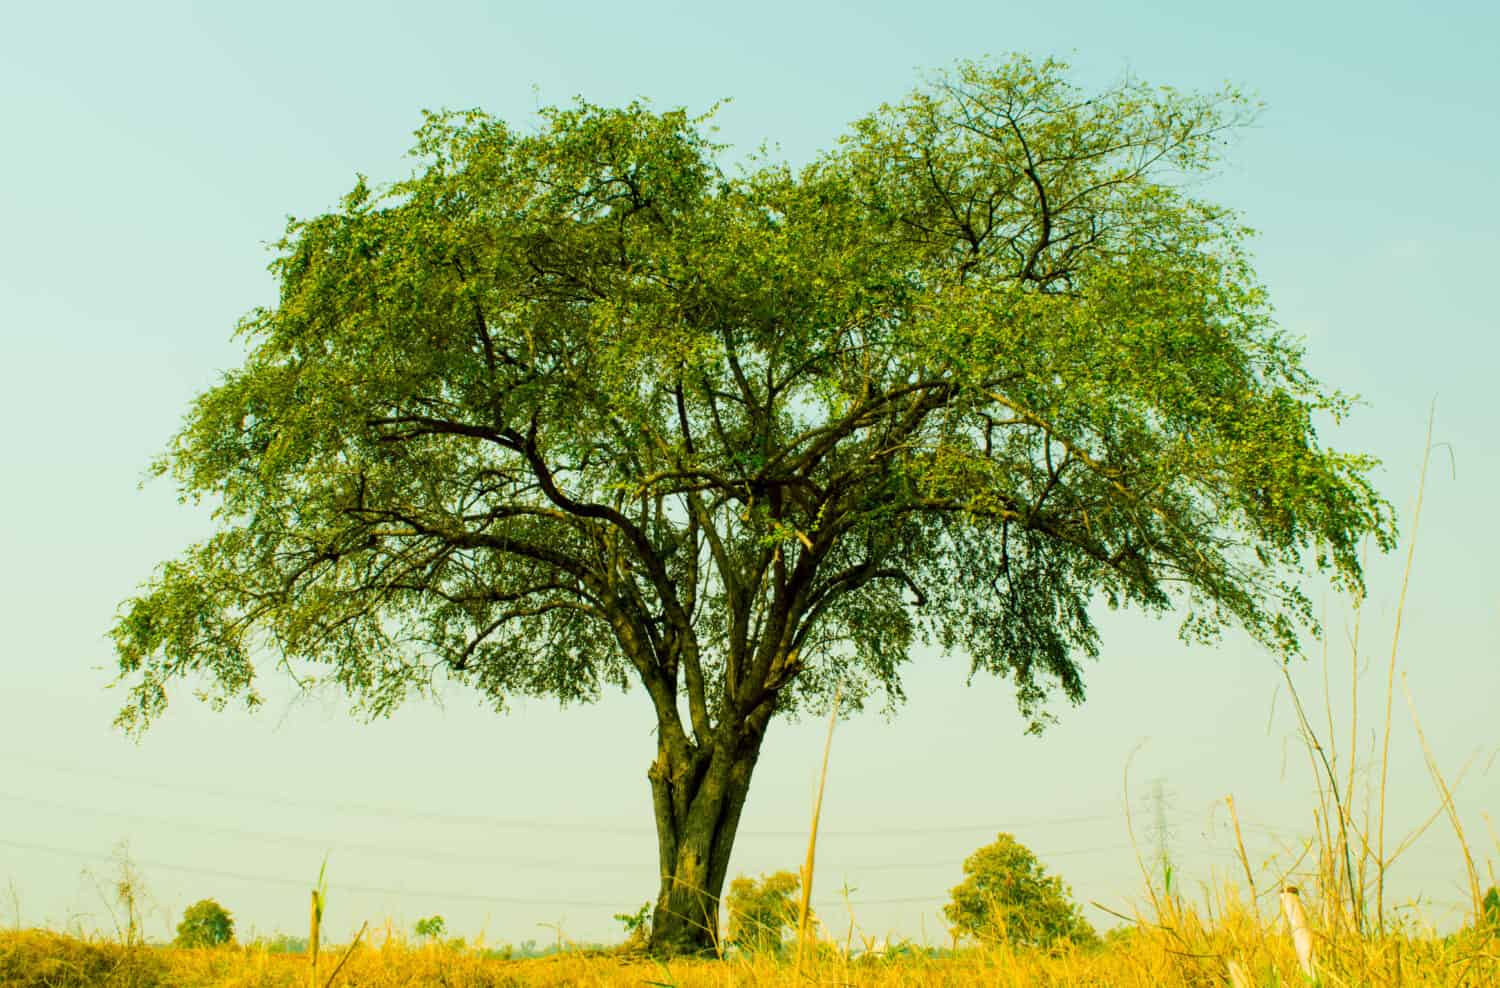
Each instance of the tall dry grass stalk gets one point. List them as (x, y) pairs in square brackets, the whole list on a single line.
[(804, 904), (348, 951), (315, 923), (1390, 683), (315, 929), (1476, 896), (1239, 843)]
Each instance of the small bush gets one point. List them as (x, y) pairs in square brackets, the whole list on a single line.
[(762, 913), (637, 928)]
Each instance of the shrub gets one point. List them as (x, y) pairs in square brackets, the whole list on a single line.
[(637, 928), (205, 924), (762, 912)]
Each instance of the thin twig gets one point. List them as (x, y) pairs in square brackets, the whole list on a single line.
[(1390, 679)]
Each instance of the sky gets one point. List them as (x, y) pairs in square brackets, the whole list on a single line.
[(155, 149)]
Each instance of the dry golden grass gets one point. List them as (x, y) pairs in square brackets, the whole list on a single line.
[(1177, 950)]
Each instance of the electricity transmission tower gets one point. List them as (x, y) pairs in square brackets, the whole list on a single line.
[(1162, 832)]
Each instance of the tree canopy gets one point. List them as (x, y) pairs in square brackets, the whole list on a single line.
[(581, 406)]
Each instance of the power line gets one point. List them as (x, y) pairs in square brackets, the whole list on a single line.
[(303, 883), (428, 855), (902, 865), (532, 823), (431, 856), (366, 809), (386, 890)]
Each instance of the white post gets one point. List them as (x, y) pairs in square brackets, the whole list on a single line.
[(1296, 918)]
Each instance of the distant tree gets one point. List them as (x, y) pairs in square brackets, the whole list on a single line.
[(205, 924), (1007, 895), (580, 408), (432, 928), (1490, 910), (762, 912)]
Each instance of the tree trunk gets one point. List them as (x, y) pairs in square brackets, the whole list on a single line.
[(697, 793)]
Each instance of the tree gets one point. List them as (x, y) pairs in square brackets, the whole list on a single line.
[(205, 924), (575, 408), (1007, 896), (431, 928), (762, 911)]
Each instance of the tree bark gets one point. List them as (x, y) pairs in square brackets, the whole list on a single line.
[(698, 794)]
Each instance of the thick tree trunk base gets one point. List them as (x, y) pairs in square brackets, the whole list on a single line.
[(698, 797), (675, 933)]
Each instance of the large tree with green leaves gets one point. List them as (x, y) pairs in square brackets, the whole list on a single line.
[(577, 406)]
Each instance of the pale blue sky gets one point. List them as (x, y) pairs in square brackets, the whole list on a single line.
[(152, 151)]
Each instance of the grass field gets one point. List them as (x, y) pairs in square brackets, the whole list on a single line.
[(1182, 950)]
